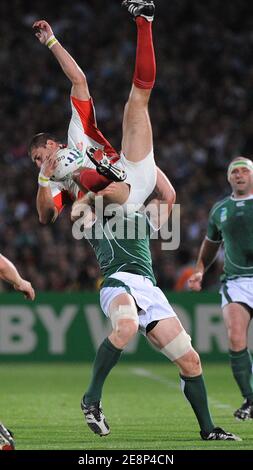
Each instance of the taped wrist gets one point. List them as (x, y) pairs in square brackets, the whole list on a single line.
[(51, 41), (43, 180)]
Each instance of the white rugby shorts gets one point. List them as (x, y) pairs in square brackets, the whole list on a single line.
[(149, 298), (141, 176), (237, 290)]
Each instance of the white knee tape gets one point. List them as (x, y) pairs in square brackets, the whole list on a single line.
[(128, 312), (179, 346)]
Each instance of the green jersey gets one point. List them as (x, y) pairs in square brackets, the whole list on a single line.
[(231, 221), (122, 244)]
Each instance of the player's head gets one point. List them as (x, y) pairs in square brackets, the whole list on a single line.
[(42, 145), (240, 176)]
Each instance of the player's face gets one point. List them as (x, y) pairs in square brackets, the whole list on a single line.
[(241, 180), (40, 154)]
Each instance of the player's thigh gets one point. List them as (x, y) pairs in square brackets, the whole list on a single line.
[(137, 138), (121, 299), (236, 317), (170, 337), (165, 331)]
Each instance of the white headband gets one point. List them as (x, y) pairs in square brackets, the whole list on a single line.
[(239, 164)]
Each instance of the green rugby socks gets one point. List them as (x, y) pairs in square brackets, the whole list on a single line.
[(241, 363), (195, 392), (106, 358)]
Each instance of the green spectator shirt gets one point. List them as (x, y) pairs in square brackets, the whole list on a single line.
[(231, 221), (122, 244)]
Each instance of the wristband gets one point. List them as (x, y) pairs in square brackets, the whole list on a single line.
[(51, 41), (43, 180)]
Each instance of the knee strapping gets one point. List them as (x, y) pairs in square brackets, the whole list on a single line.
[(126, 312), (179, 346)]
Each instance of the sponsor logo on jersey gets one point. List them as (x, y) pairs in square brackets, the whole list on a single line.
[(240, 204)]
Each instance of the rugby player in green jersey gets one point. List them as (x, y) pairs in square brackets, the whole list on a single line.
[(130, 298), (231, 223)]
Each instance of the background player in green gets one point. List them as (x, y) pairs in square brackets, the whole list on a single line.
[(131, 300), (231, 222)]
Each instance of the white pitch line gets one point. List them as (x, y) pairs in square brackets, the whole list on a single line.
[(156, 378), (141, 372)]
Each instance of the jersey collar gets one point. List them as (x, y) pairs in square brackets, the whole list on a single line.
[(241, 199)]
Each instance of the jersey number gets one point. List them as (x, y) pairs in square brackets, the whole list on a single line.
[(71, 159)]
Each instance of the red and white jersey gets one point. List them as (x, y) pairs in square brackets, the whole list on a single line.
[(141, 176), (82, 130)]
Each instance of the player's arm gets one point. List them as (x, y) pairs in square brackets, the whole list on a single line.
[(45, 202), (207, 253), (161, 203), (9, 273), (84, 208), (44, 33), (117, 193), (206, 257)]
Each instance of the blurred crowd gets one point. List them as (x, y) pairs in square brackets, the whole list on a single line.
[(201, 111)]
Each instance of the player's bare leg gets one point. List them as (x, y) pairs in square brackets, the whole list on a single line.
[(137, 139), (124, 318), (169, 336), (237, 320)]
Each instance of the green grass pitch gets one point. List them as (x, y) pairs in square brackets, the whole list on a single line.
[(143, 404)]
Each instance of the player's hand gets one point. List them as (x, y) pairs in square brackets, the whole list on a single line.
[(108, 190), (42, 30), (195, 281), (116, 193), (49, 165), (27, 289)]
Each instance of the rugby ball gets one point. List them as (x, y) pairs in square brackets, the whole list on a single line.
[(68, 160)]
